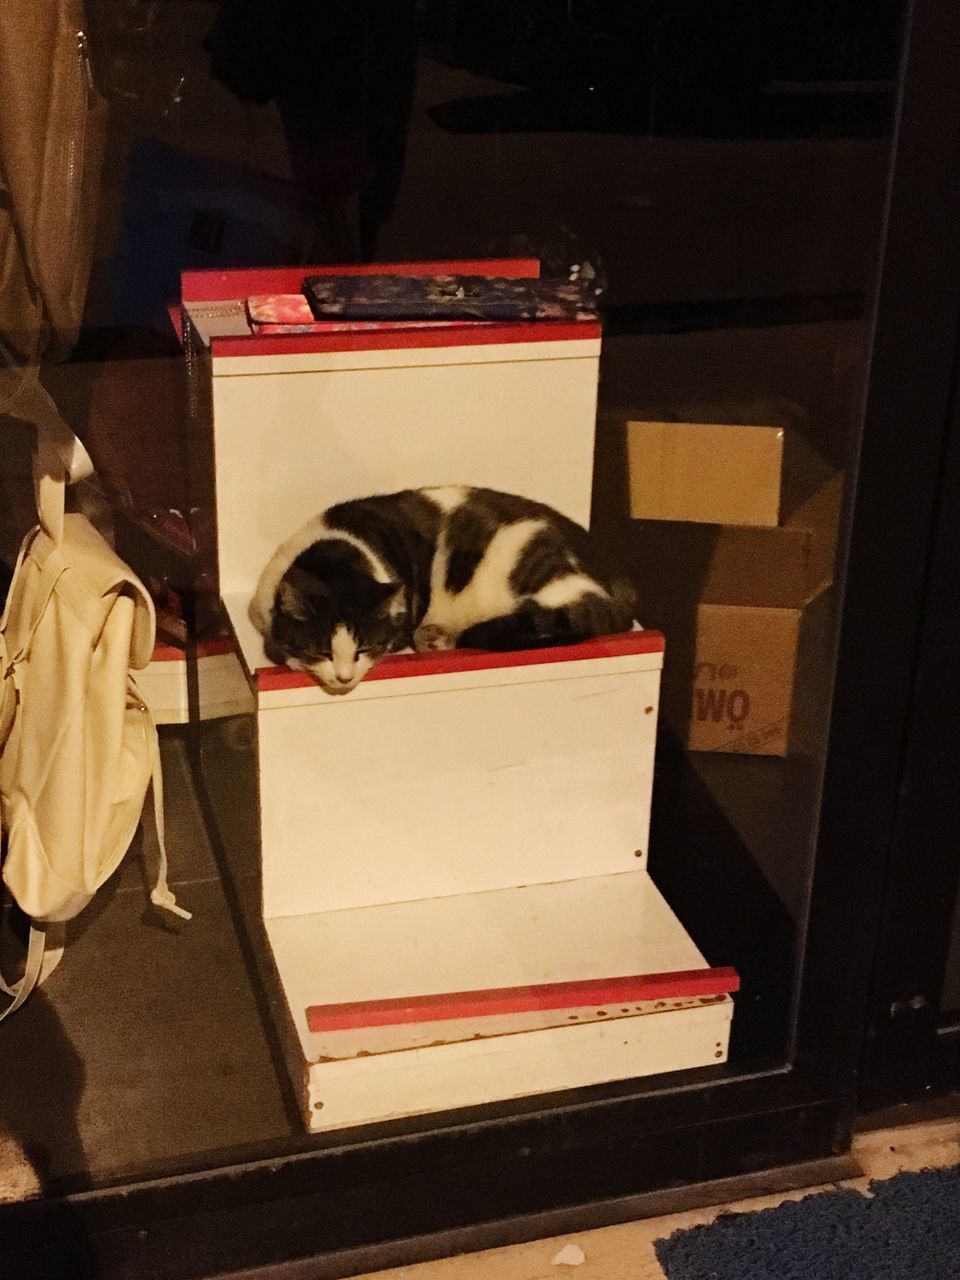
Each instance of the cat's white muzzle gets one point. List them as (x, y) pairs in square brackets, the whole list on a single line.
[(338, 686), (335, 678)]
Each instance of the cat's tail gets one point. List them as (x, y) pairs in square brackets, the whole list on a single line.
[(533, 625), (600, 615), (624, 599)]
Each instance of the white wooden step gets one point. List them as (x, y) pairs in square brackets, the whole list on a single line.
[(455, 773), (598, 927)]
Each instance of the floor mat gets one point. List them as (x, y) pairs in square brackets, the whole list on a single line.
[(907, 1228)]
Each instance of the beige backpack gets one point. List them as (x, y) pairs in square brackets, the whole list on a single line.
[(81, 746)]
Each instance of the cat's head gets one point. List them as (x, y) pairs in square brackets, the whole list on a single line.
[(335, 633)]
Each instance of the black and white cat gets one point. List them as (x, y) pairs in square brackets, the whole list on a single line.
[(432, 568)]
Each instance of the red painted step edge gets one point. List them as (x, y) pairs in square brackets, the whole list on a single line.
[(403, 340), (270, 679), (589, 992), (245, 282)]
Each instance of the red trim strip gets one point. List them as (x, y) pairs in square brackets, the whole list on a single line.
[(402, 665), (587, 993), (403, 340), (243, 282)]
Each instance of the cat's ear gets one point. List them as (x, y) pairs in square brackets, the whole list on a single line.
[(292, 602)]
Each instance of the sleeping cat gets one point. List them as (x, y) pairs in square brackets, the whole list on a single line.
[(433, 568)]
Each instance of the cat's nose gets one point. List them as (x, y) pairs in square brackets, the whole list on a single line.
[(341, 679)]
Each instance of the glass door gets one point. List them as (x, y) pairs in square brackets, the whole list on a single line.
[(756, 208)]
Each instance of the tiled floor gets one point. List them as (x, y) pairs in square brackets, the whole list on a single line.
[(625, 1252)]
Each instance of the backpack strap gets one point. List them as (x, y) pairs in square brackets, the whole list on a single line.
[(9, 696), (50, 574), (18, 991), (49, 482), (161, 895)]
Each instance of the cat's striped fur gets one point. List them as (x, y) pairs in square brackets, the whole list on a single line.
[(432, 568)]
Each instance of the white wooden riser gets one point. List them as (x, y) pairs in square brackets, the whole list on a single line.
[(458, 782), (292, 436)]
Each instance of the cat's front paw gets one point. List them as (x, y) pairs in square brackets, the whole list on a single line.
[(428, 636)]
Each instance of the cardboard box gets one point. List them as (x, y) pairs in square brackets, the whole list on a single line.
[(726, 462), (714, 473), (784, 567), (732, 602), (740, 698)]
